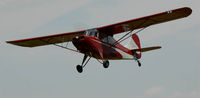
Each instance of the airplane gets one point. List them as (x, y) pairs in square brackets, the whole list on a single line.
[(99, 42)]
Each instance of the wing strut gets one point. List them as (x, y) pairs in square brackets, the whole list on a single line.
[(124, 37), (131, 35), (61, 46)]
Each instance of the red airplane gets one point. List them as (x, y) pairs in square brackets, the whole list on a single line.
[(99, 42)]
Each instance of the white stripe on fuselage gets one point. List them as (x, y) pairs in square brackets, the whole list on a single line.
[(125, 55), (131, 45)]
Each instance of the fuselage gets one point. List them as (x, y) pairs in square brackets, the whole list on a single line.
[(101, 49)]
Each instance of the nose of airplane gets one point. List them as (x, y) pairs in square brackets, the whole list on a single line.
[(75, 39), (80, 42)]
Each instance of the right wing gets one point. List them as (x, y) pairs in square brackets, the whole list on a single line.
[(47, 40), (145, 21)]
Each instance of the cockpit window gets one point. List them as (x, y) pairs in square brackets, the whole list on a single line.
[(106, 38), (91, 32)]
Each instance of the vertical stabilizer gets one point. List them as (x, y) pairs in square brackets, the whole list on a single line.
[(133, 44)]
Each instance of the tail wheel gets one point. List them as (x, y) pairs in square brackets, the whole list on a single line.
[(106, 64)]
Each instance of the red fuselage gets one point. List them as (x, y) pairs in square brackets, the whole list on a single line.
[(96, 48)]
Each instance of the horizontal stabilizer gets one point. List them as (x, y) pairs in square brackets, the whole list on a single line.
[(148, 49)]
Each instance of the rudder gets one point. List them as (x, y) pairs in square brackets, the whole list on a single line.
[(133, 44)]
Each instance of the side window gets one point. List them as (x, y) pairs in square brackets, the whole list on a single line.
[(87, 33), (106, 38), (92, 32)]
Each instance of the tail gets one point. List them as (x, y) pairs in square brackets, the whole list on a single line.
[(134, 43), (135, 47)]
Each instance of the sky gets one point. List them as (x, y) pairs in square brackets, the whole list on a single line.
[(49, 71)]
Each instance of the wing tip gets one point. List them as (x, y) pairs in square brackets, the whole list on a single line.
[(188, 11), (17, 44), (9, 42)]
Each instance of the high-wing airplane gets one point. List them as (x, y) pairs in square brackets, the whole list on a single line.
[(99, 42)]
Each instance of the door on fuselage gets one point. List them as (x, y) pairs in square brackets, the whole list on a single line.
[(108, 46)]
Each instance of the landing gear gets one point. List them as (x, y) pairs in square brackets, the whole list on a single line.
[(139, 64), (106, 64), (80, 67), (135, 55)]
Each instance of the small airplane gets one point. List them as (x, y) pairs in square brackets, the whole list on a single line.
[(99, 42)]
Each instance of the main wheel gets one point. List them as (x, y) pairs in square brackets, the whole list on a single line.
[(79, 68), (139, 64), (106, 64)]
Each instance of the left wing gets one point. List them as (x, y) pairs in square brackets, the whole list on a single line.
[(47, 40)]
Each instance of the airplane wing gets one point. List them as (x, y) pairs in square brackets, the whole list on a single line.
[(46, 40), (146, 21), (110, 29)]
